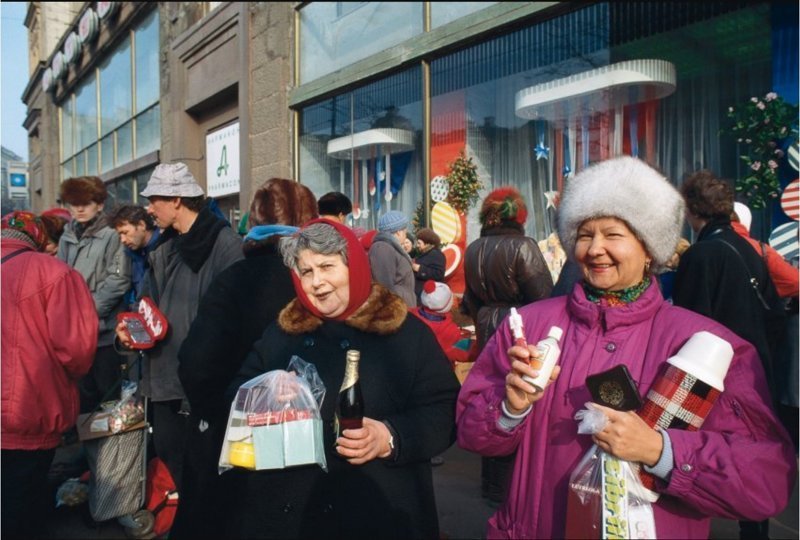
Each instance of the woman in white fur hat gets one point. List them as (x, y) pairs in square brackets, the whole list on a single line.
[(620, 221)]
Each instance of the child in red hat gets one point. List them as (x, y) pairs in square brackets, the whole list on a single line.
[(436, 300)]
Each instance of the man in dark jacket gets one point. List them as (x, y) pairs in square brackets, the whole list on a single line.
[(715, 278), (239, 305), (429, 262), (195, 247)]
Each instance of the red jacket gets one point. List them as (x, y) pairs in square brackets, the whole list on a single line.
[(49, 336), (447, 334), (783, 274)]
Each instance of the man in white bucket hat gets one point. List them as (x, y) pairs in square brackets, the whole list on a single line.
[(194, 247)]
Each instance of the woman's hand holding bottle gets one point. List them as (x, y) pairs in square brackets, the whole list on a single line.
[(520, 395)]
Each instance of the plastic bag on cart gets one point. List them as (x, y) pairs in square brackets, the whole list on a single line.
[(606, 498), (128, 411), (275, 421)]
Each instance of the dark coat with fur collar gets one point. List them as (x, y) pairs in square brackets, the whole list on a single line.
[(406, 380)]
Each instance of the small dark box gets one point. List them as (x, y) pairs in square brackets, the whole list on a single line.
[(615, 388)]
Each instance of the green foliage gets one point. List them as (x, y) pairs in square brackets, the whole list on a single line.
[(760, 124), (464, 183)]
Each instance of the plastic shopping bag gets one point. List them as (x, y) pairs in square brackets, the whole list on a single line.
[(128, 411), (275, 422), (606, 498)]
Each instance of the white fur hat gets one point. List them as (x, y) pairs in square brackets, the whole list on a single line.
[(629, 189), (436, 297)]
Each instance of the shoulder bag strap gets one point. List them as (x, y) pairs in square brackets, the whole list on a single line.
[(12, 255), (753, 281)]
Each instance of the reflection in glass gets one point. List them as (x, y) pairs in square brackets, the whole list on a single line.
[(337, 34), (80, 164), (125, 189), (124, 144), (115, 88), (354, 142), (445, 12), (107, 153), (147, 70), (67, 120), (66, 170), (91, 160), (148, 131), (86, 112)]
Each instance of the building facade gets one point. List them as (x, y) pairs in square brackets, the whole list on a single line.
[(15, 181), (376, 99)]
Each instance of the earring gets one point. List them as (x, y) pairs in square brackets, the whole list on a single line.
[(647, 267)]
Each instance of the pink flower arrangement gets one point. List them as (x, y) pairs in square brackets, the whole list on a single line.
[(760, 125)]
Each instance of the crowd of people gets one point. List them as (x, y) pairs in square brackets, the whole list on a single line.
[(303, 283)]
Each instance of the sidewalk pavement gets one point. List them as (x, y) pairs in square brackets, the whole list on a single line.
[(462, 511)]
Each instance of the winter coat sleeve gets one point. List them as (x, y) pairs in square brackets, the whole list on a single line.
[(480, 400), (383, 264), (426, 425), (692, 279), (534, 278), (118, 277), (72, 324), (741, 463), (783, 274), (431, 266), (210, 355)]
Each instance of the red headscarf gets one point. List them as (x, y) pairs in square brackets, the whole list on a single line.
[(358, 266)]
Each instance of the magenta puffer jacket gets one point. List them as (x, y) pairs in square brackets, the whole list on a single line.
[(739, 465), (49, 337)]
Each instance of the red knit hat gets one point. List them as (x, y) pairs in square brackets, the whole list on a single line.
[(358, 265), (503, 205)]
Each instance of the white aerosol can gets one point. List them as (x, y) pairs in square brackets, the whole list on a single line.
[(549, 352)]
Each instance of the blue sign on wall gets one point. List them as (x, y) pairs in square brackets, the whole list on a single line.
[(18, 179)]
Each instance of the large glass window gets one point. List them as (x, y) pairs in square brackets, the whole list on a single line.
[(125, 128), (367, 143), (86, 113), (116, 104), (147, 70), (445, 12), (67, 133), (537, 105), (337, 34)]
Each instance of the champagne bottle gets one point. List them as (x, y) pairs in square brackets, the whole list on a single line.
[(350, 403)]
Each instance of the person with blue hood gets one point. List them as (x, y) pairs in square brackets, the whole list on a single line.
[(238, 306)]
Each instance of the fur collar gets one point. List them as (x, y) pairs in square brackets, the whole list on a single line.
[(383, 313)]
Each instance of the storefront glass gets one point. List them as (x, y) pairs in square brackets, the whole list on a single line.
[(353, 142), (126, 129), (535, 106), (445, 12), (337, 34)]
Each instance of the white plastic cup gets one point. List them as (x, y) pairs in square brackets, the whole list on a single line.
[(705, 356)]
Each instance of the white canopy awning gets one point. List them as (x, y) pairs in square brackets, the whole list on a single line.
[(598, 90), (364, 145)]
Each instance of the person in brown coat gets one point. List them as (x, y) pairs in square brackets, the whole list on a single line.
[(503, 269)]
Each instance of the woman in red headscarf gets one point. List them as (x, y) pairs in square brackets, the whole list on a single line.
[(379, 481)]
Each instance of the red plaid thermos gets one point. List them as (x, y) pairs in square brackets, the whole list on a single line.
[(683, 395)]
